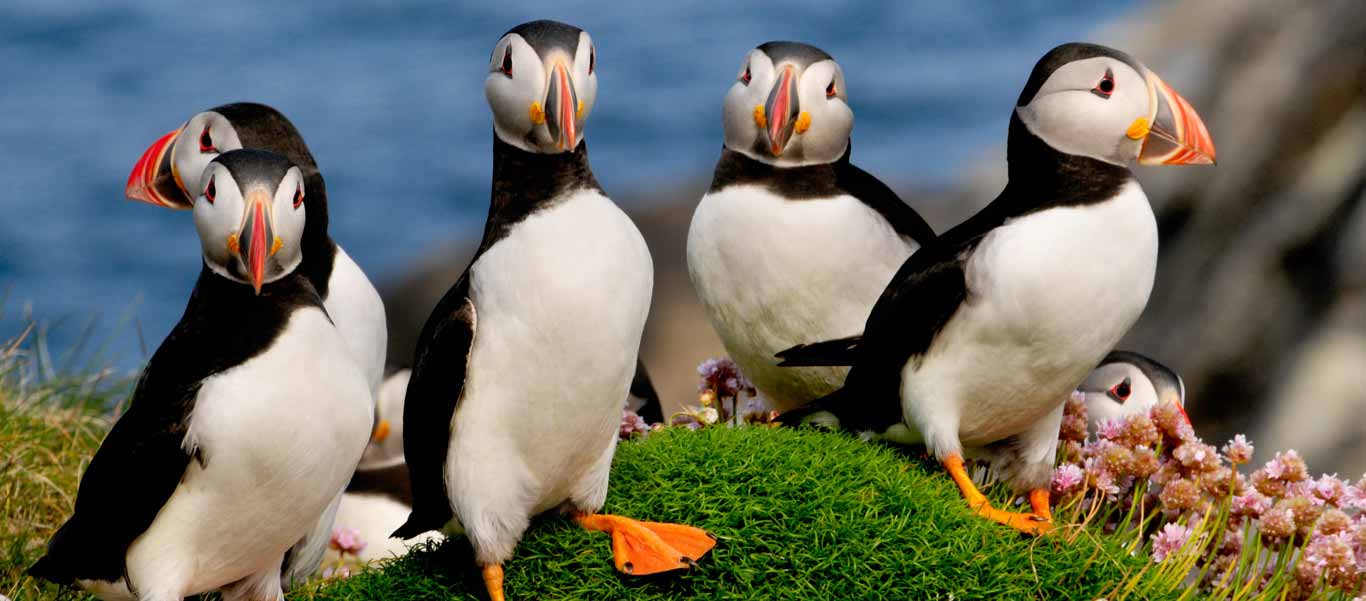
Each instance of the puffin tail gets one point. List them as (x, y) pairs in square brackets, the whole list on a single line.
[(418, 524), (47, 568), (841, 351)]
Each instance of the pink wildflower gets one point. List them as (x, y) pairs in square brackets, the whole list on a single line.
[(1277, 522), (1251, 504), (1197, 456), (1333, 521), (1169, 540), (1330, 558), (1067, 478), (1111, 429), (1329, 489), (632, 424), (347, 540), (1238, 450), (340, 571), (723, 376)]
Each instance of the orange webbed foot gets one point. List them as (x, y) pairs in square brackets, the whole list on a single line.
[(641, 548)]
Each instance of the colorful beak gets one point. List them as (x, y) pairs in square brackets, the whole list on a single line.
[(153, 181), (561, 109), (258, 241), (1176, 135), (781, 111)]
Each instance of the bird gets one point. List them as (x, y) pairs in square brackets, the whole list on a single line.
[(242, 428), (793, 242), (642, 398), (982, 334), (520, 373), (1128, 383), (168, 174)]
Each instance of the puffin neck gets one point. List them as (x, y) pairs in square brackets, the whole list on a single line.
[(525, 182), (1043, 177), (736, 168)]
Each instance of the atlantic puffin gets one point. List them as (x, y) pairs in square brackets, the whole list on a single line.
[(1128, 383), (793, 242), (982, 334), (245, 424), (515, 400)]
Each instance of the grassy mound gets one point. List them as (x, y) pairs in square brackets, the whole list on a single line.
[(799, 514)]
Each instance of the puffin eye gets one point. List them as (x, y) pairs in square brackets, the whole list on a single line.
[(298, 196), (745, 77), (1106, 87), (507, 62), (1121, 391), (592, 59), (210, 190), (830, 89), (206, 141)]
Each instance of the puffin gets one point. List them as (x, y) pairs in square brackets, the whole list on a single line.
[(516, 395), (168, 174), (1128, 383), (243, 427), (793, 242), (982, 334)]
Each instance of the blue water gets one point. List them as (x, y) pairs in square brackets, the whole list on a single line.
[(391, 102)]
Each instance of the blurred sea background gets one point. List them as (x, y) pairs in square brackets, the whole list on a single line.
[(1260, 300)]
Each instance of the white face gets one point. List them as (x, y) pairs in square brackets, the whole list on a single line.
[(532, 109), (1117, 390), (201, 140), (819, 133), (225, 214), (1089, 107)]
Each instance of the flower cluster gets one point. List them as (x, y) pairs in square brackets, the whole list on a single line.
[(345, 541), (1150, 475), (725, 397)]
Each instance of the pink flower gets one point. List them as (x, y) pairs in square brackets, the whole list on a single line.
[(1168, 540), (1329, 489), (1111, 429), (1251, 504), (341, 571), (1238, 450), (1329, 557), (1197, 456), (1067, 478), (632, 424), (347, 540), (723, 376)]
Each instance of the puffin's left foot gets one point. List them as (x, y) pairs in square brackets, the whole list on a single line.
[(1036, 523), (642, 548), (493, 581)]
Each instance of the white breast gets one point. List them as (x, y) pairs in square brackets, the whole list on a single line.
[(356, 308), (280, 435), (1051, 294), (561, 302), (773, 273)]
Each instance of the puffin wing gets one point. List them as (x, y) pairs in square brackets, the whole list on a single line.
[(436, 387), (133, 474), (871, 191), (642, 388)]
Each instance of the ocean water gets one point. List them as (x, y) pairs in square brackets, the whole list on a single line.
[(390, 100)]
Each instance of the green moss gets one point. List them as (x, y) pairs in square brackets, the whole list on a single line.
[(799, 514)]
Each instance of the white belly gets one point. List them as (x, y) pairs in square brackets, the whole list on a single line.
[(560, 305), (356, 309), (1052, 293), (281, 435), (773, 273)]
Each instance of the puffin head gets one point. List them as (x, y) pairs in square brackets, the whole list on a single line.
[(169, 172), (788, 106), (1098, 102), (1127, 383), (250, 216), (541, 86)]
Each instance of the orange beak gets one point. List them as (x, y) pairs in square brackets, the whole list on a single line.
[(781, 111), (562, 107), (153, 181), (257, 241), (1176, 134)]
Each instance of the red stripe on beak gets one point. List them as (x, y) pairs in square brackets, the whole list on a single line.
[(257, 248), (568, 111), (778, 113), (1177, 135), (142, 181)]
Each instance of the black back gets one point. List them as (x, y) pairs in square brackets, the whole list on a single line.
[(141, 461), (523, 183), (929, 287), (824, 180)]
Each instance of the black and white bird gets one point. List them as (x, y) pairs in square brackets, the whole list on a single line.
[(169, 175), (1127, 383), (983, 333), (793, 242), (244, 426), (516, 394)]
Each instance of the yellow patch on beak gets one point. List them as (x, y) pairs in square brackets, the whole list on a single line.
[(759, 116), (579, 113), (275, 246), (232, 244), (803, 122), (381, 431), (1138, 129), (537, 113)]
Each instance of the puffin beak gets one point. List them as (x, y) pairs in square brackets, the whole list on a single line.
[(258, 241), (1173, 134), (781, 111), (153, 179), (562, 108)]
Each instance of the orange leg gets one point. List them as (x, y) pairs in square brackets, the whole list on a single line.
[(641, 548), (1029, 523), (493, 581)]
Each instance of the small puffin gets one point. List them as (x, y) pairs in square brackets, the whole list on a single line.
[(244, 426), (1127, 383), (520, 373), (793, 242), (984, 332)]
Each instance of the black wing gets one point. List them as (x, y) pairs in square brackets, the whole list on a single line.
[(436, 387), (840, 351), (642, 388), (871, 191)]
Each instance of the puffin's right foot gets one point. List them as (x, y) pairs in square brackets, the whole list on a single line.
[(1037, 523), (642, 548), (493, 581)]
